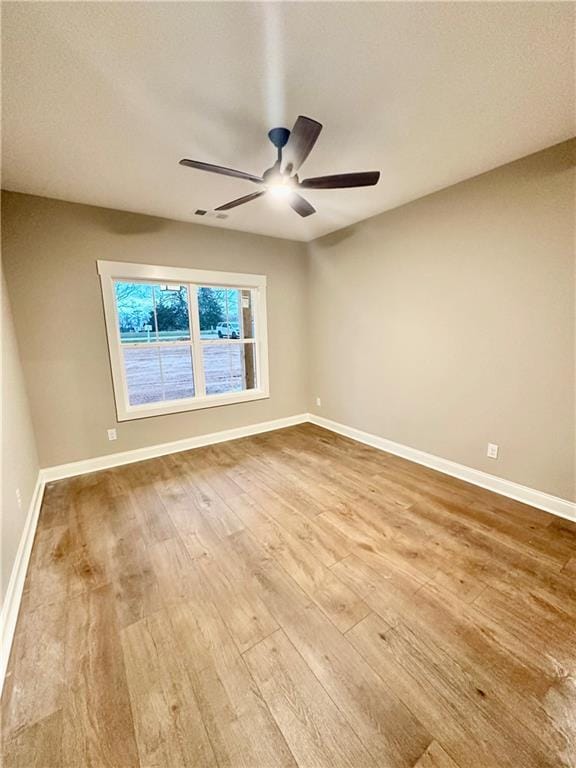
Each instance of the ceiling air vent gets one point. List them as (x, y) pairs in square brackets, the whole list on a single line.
[(210, 214)]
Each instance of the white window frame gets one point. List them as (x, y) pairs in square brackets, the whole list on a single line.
[(111, 271)]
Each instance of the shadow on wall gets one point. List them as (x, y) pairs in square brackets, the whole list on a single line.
[(121, 222), (335, 238)]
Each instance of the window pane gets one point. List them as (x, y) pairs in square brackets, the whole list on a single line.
[(212, 311), (225, 313), (229, 368), (142, 306), (172, 312), (177, 372), (154, 374), (143, 375), (135, 305)]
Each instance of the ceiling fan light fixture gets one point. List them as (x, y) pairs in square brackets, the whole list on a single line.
[(281, 180), (280, 191)]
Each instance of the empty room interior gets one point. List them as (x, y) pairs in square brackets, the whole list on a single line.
[(288, 385)]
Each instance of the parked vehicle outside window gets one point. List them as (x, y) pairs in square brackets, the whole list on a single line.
[(228, 330)]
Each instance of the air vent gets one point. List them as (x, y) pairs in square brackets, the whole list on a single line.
[(210, 214)]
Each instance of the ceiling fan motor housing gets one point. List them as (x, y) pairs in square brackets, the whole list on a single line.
[(279, 137)]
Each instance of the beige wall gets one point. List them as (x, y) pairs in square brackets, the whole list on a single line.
[(449, 323), (50, 251), (443, 325), (19, 457)]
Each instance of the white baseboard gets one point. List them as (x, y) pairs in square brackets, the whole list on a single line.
[(163, 449), (531, 496), (539, 499), (13, 597)]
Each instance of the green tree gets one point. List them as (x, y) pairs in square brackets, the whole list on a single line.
[(171, 310), (209, 308), (134, 302)]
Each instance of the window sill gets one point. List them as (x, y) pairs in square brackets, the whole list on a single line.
[(193, 404)]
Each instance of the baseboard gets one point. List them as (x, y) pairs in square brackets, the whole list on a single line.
[(13, 597), (539, 499), (141, 454)]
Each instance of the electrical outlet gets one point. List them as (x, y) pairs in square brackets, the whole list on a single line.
[(18, 498), (492, 451), (319, 402), (112, 434)]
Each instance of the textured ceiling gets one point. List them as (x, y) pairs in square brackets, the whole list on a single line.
[(101, 100)]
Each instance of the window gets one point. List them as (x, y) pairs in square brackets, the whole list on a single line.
[(182, 339)]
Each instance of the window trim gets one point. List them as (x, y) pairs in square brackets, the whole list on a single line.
[(109, 271)]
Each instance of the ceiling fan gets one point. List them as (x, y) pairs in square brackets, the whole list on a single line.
[(281, 179)]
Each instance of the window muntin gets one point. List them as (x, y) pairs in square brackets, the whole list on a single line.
[(179, 344)]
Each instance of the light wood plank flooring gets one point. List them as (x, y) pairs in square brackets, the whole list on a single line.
[(292, 599)]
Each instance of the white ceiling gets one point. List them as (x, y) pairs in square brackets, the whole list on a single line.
[(101, 100)]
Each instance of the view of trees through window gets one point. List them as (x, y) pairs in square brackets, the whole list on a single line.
[(216, 306), (149, 312), (152, 312), (156, 334)]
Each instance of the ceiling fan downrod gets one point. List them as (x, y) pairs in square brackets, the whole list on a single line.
[(279, 137)]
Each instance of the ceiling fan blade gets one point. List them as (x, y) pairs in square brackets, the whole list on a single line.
[(221, 170), (302, 139), (342, 180), (300, 205), (240, 201)]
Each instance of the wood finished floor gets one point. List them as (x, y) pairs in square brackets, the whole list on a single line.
[(292, 599)]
